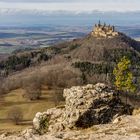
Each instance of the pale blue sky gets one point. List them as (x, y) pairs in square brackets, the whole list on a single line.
[(72, 5), (103, 1)]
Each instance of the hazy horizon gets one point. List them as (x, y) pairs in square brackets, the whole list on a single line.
[(69, 12)]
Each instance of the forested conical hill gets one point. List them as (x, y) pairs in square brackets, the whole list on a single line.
[(101, 49)]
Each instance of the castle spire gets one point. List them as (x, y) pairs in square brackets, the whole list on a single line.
[(113, 28), (99, 24)]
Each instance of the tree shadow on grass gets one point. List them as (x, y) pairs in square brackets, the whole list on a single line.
[(26, 122)]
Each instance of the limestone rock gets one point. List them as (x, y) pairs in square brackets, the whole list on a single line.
[(54, 116), (85, 106)]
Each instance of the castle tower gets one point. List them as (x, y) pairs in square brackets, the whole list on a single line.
[(99, 24), (113, 28), (104, 24), (104, 31)]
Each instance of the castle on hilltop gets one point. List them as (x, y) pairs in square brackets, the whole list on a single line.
[(104, 31)]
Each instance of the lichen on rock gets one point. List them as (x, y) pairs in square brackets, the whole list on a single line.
[(41, 122)]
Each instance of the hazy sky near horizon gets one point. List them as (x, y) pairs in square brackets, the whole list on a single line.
[(72, 5)]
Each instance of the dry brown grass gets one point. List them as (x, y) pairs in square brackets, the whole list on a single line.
[(29, 108)]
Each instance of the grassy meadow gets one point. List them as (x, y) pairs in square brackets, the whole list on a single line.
[(29, 108)]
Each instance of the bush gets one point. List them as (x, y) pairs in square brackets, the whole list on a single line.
[(33, 91), (15, 115), (32, 87), (44, 123)]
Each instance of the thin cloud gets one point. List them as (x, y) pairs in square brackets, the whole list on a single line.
[(72, 5)]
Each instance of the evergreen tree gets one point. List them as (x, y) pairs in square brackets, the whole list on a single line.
[(124, 76)]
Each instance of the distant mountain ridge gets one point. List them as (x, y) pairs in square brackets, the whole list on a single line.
[(64, 12), (20, 17)]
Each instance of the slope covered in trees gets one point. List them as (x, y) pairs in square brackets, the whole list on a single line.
[(80, 61)]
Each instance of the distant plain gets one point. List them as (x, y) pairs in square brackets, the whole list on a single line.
[(21, 38)]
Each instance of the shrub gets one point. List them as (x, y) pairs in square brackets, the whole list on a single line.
[(15, 115), (44, 123), (32, 92)]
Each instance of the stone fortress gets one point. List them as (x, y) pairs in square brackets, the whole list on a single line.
[(104, 31)]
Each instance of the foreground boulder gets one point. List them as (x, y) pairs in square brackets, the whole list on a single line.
[(127, 128), (85, 106)]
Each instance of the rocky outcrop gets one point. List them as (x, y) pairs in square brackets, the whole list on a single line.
[(128, 128), (85, 106)]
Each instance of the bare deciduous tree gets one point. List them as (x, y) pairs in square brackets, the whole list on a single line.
[(32, 87), (32, 92), (15, 114)]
